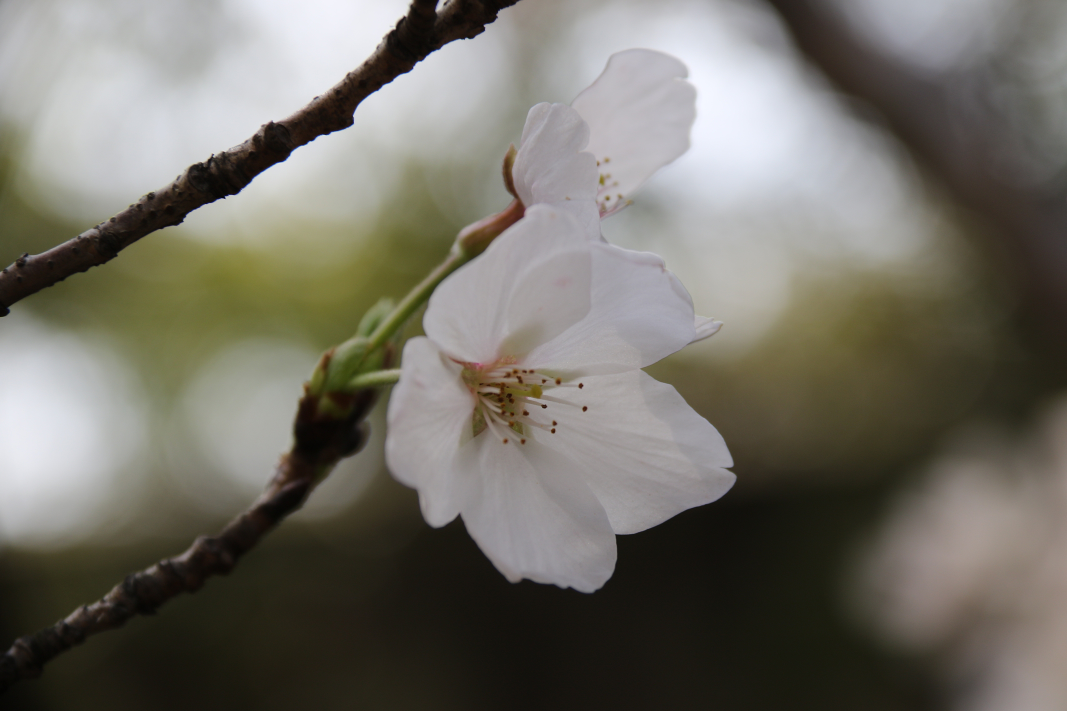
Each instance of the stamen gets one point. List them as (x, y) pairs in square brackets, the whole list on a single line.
[(492, 428), (549, 398), (504, 394), (489, 404)]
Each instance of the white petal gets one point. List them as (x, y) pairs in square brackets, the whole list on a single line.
[(586, 212), (550, 166), (472, 312), (547, 300), (639, 314), (639, 113), (644, 452), (533, 517), (705, 327), (428, 411)]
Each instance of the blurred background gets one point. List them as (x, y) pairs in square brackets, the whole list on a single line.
[(875, 203)]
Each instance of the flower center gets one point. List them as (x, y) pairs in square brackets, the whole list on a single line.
[(512, 403)]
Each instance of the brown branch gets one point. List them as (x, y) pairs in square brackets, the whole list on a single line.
[(942, 120), (420, 32), (321, 437), (320, 442)]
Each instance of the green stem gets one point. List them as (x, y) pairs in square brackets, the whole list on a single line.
[(416, 298), (374, 379)]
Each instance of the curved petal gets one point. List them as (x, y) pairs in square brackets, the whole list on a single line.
[(428, 411), (550, 166), (639, 111), (550, 298), (639, 313), (586, 213), (644, 452), (534, 518), (705, 327), (537, 270)]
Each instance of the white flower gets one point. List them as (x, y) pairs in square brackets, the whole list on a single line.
[(633, 120), (525, 409)]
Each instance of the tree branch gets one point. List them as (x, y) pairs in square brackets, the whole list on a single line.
[(420, 32), (320, 442), (960, 142)]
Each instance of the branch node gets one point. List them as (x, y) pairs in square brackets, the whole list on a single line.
[(108, 243)]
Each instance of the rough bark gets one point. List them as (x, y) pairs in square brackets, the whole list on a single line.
[(320, 442)]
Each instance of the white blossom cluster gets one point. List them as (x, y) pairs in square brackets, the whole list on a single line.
[(524, 409)]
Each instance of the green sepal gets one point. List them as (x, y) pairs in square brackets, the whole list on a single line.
[(339, 365)]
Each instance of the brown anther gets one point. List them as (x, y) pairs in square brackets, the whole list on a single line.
[(505, 440), (522, 441), (553, 430), (544, 407), (554, 423), (526, 413), (581, 385), (559, 380), (584, 408)]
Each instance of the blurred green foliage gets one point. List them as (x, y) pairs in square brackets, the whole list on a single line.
[(732, 606)]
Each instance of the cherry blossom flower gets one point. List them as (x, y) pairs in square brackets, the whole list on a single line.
[(633, 120), (525, 410)]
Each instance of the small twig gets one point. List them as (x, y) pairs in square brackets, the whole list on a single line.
[(420, 32), (143, 592), (320, 442)]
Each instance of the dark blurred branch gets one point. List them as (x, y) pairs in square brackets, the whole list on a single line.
[(422, 31), (961, 145), (320, 442)]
